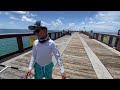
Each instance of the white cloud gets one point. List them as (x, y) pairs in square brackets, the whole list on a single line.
[(45, 23), (33, 15), (6, 13), (21, 12), (90, 22), (103, 21), (86, 18), (73, 26), (82, 23), (14, 18), (57, 24), (26, 19), (11, 23), (60, 18)]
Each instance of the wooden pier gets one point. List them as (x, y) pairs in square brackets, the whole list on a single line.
[(83, 58)]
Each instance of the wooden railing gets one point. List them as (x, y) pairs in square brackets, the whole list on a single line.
[(110, 40), (18, 37)]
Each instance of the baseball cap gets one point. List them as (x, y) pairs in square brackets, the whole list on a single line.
[(38, 24)]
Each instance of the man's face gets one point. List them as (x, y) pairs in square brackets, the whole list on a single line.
[(41, 32)]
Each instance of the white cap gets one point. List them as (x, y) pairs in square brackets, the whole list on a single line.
[(37, 24)]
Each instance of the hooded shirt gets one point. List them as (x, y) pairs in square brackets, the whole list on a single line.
[(42, 54)]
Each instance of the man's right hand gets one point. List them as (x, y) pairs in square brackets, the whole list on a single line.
[(28, 73), (63, 75)]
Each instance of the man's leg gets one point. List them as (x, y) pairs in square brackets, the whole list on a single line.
[(49, 70), (38, 71)]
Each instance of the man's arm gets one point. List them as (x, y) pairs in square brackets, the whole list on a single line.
[(58, 57), (32, 62), (33, 57)]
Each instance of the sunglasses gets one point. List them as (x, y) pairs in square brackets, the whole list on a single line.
[(38, 30)]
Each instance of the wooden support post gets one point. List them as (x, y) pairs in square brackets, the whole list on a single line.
[(50, 35), (116, 42), (102, 37), (20, 43), (97, 36), (110, 41), (55, 36)]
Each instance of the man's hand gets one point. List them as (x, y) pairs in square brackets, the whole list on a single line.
[(28, 73), (63, 75)]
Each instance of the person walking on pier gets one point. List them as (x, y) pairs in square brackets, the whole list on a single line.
[(42, 50)]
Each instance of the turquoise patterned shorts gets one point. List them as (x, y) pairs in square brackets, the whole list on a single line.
[(43, 71)]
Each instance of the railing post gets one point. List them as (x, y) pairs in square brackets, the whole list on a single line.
[(50, 35), (93, 35), (116, 42), (110, 41), (97, 36), (20, 43), (61, 34), (102, 37), (55, 35), (118, 45)]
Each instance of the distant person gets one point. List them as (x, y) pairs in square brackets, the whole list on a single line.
[(91, 34), (42, 50)]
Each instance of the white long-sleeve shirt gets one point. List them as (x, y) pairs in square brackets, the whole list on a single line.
[(42, 54)]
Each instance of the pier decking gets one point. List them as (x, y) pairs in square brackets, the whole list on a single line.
[(83, 58)]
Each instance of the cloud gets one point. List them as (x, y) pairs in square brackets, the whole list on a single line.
[(73, 26), (6, 13), (11, 23), (33, 15), (57, 24), (103, 21), (60, 18), (14, 18), (21, 12), (26, 19), (45, 23), (82, 23)]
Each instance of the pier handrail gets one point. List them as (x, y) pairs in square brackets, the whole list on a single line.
[(20, 41), (96, 36)]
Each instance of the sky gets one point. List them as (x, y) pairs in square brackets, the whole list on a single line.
[(102, 21)]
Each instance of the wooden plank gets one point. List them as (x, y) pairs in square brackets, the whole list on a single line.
[(99, 68), (110, 59), (61, 50), (76, 67), (110, 48)]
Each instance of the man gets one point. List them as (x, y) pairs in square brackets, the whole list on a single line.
[(42, 50), (91, 34)]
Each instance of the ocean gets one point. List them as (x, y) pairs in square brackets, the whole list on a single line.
[(9, 45)]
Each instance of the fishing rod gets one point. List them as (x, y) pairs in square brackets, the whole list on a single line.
[(7, 67)]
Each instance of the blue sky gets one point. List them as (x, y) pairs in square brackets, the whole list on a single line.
[(107, 21)]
